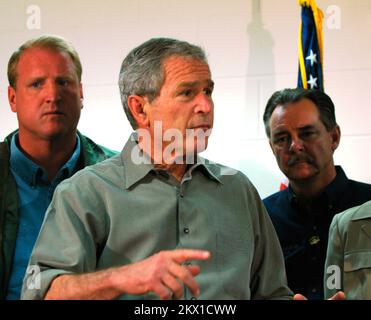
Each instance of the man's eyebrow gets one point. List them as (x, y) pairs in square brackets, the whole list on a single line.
[(307, 127), (36, 79), (303, 128), (64, 76), (278, 133), (209, 83)]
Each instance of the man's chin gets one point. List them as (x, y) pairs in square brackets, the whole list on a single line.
[(300, 171), (55, 133), (297, 175)]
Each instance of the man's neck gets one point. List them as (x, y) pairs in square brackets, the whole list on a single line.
[(176, 168), (50, 155)]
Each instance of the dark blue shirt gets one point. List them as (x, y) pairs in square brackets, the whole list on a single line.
[(34, 194), (303, 235)]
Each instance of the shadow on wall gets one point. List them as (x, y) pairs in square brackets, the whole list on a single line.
[(260, 66), (260, 79), (260, 60)]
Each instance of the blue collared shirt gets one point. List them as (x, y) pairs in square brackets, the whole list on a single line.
[(34, 195)]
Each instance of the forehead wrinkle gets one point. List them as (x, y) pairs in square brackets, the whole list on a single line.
[(177, 64), (196, 83)]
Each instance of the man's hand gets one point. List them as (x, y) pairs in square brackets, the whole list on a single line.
[(337, 296), (163, 273)]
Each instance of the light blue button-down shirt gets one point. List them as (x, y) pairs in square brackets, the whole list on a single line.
[(34, 194)]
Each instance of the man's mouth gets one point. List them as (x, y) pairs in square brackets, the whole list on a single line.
[(204, 127), (293, 162), (53, 113)]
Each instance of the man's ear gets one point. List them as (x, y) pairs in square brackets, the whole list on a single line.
[(271, 145), (12, 98), (335, 135), (81, 95), (137, 106)]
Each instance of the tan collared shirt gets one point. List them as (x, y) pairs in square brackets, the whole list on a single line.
[(348, 262)]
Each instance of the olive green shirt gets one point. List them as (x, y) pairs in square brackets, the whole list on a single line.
[(348, 262), (119, 212)]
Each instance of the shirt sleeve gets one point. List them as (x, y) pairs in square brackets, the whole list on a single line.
[(268, 275), (334, 260), (69, 239)]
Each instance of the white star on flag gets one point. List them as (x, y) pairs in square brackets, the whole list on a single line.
[(312, 57), (312, 81)]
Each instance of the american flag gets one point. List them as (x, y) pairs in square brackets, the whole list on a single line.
[(310, 46)]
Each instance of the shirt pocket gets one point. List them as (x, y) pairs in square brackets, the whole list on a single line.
[(357, 275), (355, 261)]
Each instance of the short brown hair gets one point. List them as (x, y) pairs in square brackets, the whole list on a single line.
[(48, 42)]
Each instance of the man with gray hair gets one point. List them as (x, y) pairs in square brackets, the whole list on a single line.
[(45, 92), (159, 221)]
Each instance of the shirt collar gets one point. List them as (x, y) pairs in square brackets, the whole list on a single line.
[(22, 165), (71, 164), (137, 164), (30, 171), (213, 171)]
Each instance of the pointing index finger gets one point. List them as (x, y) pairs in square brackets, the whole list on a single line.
[(182, 255)]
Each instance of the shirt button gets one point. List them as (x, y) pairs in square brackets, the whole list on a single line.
[(186, 230)]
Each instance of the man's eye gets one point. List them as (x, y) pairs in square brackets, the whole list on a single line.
[(307, 134), (280, 140), (36, 84), (62, 82), (186, 93), (208, 92)]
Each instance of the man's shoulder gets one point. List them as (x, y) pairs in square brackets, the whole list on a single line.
[(104, 171), (359, 213), (276, 197), (5, 145), (4, 149), (93, 152), (4, 160), (360, 186), (278, 205), (225, 173)]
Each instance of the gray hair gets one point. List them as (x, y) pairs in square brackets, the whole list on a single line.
[(142, 71), (48, 42)]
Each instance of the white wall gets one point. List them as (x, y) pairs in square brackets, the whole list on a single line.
[(252, 48)]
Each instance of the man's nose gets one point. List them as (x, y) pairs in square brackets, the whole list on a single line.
[(296, 145), (204, 103), (52, 92)]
